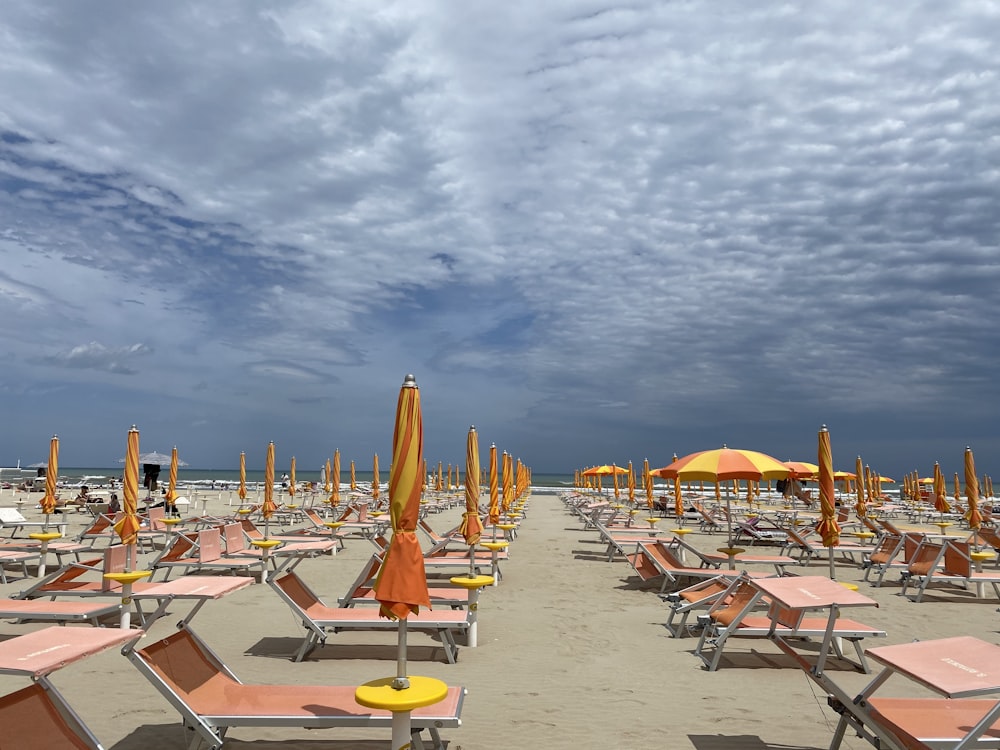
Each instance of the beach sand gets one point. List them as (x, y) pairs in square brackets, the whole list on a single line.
[(572, 654)]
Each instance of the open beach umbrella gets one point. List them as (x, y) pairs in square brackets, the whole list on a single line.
[(335, 491), (802, 469), (48, 502), (354, 479), (291, 480), (472, 527), (723, 464), (494, 490), (941, 504), (827, 527), (860, 507), (242, 491), (172, 484), (268, 508), (973, 516)]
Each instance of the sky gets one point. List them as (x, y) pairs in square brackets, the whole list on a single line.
[(597, 231)]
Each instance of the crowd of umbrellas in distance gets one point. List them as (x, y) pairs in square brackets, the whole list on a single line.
[(725, 467)]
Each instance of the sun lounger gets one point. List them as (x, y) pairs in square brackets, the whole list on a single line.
[(211, 699), (808, 548), (39, 716), (737, 614), (891, 552), (949, 563), (63, 611), (700, 595), (653, 558), (197, 589), (237, 546), (13, 520), (361, 591), (319, 619), (755, 530), (961, 671), (202, 553)]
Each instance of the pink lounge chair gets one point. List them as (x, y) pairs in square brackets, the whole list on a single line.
[(63, 611), (39, 716), (211, 699), (318, 618)]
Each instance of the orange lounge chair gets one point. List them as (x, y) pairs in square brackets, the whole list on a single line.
[(63, 611), (948, 563), (211, 699), (318, 618), (654, 558), (808, 548), (361, 591), (891, 552), (203, 552), (700, 595), (39, 716)]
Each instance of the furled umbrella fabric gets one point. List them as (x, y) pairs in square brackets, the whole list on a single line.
[(354, 478), (268, 508), (291, 480), (508, 482), (327, 479), (941, 504), (471, 528), (172, 483), (957, 489), (860, 506), (376, 481), (242, 491), (973, 515), (128, 526), (494, 489), (827, 528), (401, 586), (647, 483), (335, 491), (51, 477)]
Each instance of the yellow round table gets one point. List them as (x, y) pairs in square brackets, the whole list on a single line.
[(731, 552), (494, 548), (383, 694), (44, 537), (126, 579), (848, 585), (978, 558), (172, 521), (474, 584), (244, 511)]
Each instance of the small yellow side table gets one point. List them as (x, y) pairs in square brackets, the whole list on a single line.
[(731, 552), (126, 579), (386, 695), (473, 584)]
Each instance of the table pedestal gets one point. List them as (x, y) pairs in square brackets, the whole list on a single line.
[(473, 584), (386, 694)]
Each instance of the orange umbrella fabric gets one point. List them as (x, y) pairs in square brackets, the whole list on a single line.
[(354, 479), (268, 508), (647, 483), (973, 516), (860, 507), (242, 491), (722, 464), (802, 469), (472, 527), (327, 480), (494, 488), (401, 586), (291, 479), (128, 527), (51, 476), (376, 482), (827, 527), (941, 504), (172, 483), (508, 481), (335, 490)]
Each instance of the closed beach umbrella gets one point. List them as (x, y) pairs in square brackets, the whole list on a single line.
[(291, 480), (128, 527), (354, 479), (827, 527), (941, 504), (172, 483), (472, 527), (508, 482), (679, 500), (973, 516), (335, 491), (958, 489), (614, 479), (375, 478), (647, 483), (268, 508), (327, 481), (494, 489), (860, 507), (401, 586), (242, 491), (51, 476)]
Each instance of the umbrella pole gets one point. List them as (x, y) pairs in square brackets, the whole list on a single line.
[(402, 681), (833, 572)]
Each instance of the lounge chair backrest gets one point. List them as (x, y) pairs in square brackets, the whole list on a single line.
[(188, 671), (313, 516), (925, 559), (733, 606), (156, 516), (235, 541), (178, 549), (957, 560), (786, 616), (30, 719), (296, 590), (911, 543), (886, 549), (209, 545), (250, 529)]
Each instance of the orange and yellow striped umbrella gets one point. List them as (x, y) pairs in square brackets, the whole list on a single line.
[(242, 491), (647, 483), (327, 481), (354, 479), (941, 504), (375, 478), (172, 482), (291, 480), (268, 508), (860, 507), (973, 516), (335, 491), (401, 586), (508, 481), (827, 527), (631, 484), (958, 489), (472, 527), (128, 527), (494, 488), (51, 476)]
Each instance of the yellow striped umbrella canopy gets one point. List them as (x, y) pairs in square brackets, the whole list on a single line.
[(291, 479), (242, 491), (941, 504), (723, 464), (172, 482), (128, 527), (268, 508), (376, 482), (508, 482), (51, 476), (354, 479), (472, 527), (802, 469), (973, 516), (860, 507), (401, 586), (335, 490), (827, 527), (494, 487)]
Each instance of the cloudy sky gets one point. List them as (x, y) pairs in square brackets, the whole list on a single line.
[(599, 232)]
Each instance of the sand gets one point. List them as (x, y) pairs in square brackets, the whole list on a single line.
[(572, 654)]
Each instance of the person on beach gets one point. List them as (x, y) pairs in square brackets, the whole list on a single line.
[(113, 505)]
